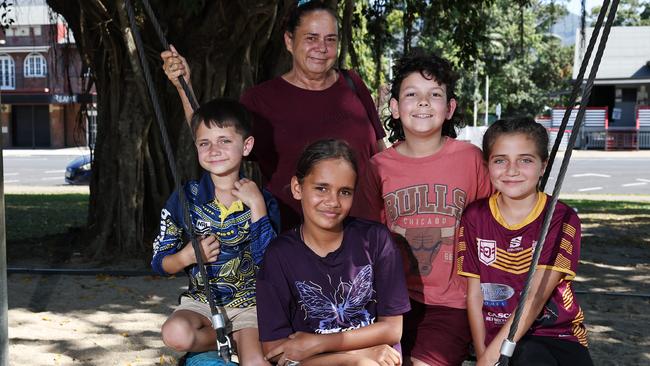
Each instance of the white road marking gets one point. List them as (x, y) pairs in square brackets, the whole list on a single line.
[(633, 184), (54, 171), (52, 178), (639, 179), (590, 189), (591, 175), (11, 181), (10, 174)]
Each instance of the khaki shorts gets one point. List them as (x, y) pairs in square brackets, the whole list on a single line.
[(236, 318)]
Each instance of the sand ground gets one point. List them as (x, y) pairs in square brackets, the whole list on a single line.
[(104, 320)]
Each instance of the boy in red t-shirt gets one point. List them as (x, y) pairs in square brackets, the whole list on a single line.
[(419, 188)]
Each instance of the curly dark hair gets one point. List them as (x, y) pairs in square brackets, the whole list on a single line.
[(525, 126), (431, 67)]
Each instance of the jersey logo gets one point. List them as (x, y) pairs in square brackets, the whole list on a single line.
[(487, 251), (515, 242), (202, 227), (496, 294)]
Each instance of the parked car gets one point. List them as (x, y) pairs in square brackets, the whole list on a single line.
[(79, 171)]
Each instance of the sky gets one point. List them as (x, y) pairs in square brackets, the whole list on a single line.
[(574, 5)]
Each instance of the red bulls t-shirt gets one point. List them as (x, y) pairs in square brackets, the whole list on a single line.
[(421, 200)]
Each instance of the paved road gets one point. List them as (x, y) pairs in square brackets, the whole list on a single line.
[(620, 175), (590, 172), (39, 171), (35, 170)]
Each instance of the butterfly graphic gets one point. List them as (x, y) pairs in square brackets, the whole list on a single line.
[(345, 309)]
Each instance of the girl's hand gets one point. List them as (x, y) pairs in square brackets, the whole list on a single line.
[(246, 190), (209, 245), (299, 347), (175, 66), (382, 354), (488, 359)]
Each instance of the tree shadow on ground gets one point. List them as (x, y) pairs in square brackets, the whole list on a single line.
[(614, 285), (90, 320)]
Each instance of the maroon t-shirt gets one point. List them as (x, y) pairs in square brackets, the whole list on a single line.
[(500, 256), (297, 290), (287, 118)]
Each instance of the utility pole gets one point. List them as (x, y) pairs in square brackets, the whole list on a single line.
[(4, 328), (487, 97), (477, 94)]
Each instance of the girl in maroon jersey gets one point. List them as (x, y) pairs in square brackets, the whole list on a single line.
[(496, 241)]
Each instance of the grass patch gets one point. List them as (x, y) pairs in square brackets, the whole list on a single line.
[(33, 216), (613, 207)]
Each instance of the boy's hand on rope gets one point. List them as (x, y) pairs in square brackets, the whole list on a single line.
[(210, 247), (175, 66)]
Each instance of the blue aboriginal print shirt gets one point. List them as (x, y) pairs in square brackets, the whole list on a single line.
[(232, 276)]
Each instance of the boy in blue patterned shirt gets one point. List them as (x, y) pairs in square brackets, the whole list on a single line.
[(233, 220)]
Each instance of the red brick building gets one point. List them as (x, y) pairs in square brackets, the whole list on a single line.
[(41, 84)]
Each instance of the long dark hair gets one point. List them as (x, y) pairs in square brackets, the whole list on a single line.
[(431, 67), (324, 150), (525, 126)]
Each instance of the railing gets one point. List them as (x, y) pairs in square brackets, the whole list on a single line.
[(644, 139), (622, 139), (594, 140)]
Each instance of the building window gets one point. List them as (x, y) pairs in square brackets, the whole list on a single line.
[(35, 66), (7, 72)]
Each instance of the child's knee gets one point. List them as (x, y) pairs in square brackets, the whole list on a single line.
[(178, 334)]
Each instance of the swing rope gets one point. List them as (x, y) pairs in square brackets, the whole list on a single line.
[(574, 95), (508, 345), (163, 41), (218, 321)]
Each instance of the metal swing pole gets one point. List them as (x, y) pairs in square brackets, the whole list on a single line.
[(508, 345), (218, 322), (163, 41)]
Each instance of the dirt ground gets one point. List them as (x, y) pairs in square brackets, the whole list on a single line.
[(104, 320)]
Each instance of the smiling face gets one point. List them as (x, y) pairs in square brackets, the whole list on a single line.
[(221, 149), (326, 194), (422, 106), (515, 166), (314, 43)]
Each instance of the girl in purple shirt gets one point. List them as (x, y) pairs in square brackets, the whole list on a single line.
[(332, 291)]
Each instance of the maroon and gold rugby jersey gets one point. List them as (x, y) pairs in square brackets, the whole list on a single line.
[(500, 256)]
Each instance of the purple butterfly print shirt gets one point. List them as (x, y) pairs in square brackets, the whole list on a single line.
[(297, 290)]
